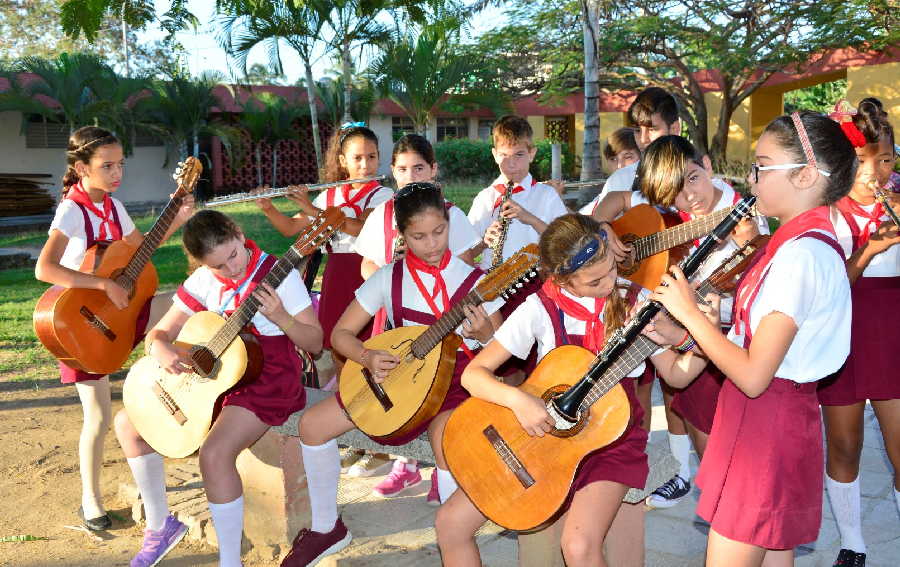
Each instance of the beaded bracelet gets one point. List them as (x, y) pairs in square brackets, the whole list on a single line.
[(691, 343), (683, 341)]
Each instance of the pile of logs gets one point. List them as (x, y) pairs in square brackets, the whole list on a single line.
[(24, 194)]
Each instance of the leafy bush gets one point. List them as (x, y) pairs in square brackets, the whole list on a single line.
[(465, 159), (541, 166)]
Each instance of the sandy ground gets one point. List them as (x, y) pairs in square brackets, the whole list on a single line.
[(40, 489)]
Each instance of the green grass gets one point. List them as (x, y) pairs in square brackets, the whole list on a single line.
[(22, 357)]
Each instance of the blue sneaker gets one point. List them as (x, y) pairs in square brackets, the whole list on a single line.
[(158, 543)]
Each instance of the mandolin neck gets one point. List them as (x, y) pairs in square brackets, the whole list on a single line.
[(671, 237), (445, 325)]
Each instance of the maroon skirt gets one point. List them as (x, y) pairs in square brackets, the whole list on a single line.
[(456, 395), (69, 375), (649, 374), (339, 282), (762, 473), (278, 392), (697, 402), (870, 372), (623, 461)]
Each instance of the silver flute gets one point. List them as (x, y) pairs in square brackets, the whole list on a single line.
[(282, 191), (585, 183)]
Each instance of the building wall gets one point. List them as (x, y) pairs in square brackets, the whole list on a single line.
[(145, 179), (381, 125), (739, 130), (880, 81)]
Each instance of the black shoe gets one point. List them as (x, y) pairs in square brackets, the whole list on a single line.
[(97, 524), (849, 558), (670, 493)]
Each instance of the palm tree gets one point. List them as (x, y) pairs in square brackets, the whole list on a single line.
[(422, 71), (248, 23), (331, 92)]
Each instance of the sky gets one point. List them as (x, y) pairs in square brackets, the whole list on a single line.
[(204, 52)]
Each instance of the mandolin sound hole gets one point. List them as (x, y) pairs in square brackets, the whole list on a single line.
[(204, 361)]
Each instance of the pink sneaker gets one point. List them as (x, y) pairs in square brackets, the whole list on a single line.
[(433, 498), (398, 480)]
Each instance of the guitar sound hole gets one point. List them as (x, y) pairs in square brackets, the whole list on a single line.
[(204, 361), (628, 266)]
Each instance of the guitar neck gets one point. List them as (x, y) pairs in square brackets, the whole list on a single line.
[(630, 358), (445, 325), (685, 232), (152, 240), (249, 306)]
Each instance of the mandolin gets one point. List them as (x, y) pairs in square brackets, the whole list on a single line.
[(521, 482), (413, 392), (81, 327), (173, 412)]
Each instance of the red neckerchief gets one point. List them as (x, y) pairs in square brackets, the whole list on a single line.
[(79, 195), (850, 208), (813, 219), (593, 325), (351, 201), (416, 264), (390, 231), (233, 285), (501, 188)]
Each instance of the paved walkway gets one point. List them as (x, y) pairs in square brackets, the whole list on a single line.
[(399, 532)]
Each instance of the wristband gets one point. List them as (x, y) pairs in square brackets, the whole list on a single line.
[(688, 346), (684, 341)]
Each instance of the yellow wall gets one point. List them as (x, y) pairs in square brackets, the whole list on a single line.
[(537, 124), (738, 130), (880, 81), (765, 106)]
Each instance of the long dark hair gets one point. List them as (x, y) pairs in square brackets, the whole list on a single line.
[(414, 198)]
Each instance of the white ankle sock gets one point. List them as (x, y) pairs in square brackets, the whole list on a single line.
[(680, 445), (150, 478), (412, 465), (446, 484), (897, 498), (845, 505), (228, 520), (323, 469)]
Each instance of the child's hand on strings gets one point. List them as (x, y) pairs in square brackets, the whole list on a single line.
[(620, 250), (185, 210), (532, 414), (115, 293), (379, 363), (172, 358), (477, 324), (270, 305)]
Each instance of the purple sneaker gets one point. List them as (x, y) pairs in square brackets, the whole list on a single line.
[(158, 543)]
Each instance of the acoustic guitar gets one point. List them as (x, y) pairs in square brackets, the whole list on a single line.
[(521, 482), (659, 239), (413, 392), (82, 327), (173, 412)]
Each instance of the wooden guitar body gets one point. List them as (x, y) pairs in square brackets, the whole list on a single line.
[(640, 221), (411, 394), (81, 327), (518, 481), (173, 412)]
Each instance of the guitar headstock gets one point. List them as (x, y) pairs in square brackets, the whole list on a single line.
[(725, 277), (186, 175), (319, 231), (508, 277)]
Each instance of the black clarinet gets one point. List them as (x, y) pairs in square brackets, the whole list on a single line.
[(568, 403)]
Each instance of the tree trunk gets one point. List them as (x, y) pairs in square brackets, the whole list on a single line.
[(313, 116), (718, 151), (259, 177), (348, 87), (590, 162)]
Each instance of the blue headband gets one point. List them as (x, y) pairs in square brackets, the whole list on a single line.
[(583, 255), (348, 128)]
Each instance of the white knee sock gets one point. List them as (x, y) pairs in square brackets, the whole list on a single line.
[(845, 505), (446, 484), (323, 470), (96, 414), (680, 445), (151, 482), (228, 520), (897, 498)]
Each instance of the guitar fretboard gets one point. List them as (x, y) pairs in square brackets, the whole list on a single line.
[(657, 242), (151, 242)]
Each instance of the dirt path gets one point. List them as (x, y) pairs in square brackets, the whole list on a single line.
[(40, 489)]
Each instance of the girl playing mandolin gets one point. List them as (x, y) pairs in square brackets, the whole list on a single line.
[(88, 214), (869, 239), (231, 266), (414, 290), (581, 302), (761, 475)]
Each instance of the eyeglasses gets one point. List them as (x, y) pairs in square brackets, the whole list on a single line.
[(755, 168)]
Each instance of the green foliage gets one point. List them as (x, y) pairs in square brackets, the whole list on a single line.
[(819, 98), (331, 92), (465, 159), (541, 166), (87, 16)]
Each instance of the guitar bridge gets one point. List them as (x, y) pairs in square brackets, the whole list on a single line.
[(508, 457), (169, 403), (97, 323)]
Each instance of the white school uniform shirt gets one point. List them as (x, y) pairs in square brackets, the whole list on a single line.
[(375, 292), (530, 322), (342, 242), (621, 180), (370, 242), (883, 265), (806, 281), (203, 286), (69, 221), (539, 199)]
